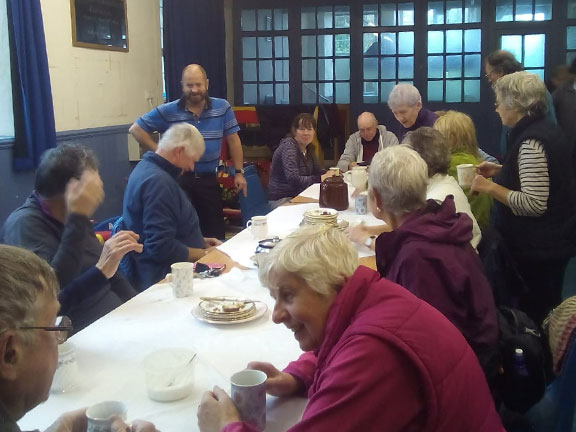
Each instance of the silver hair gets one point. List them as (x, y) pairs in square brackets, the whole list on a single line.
[(404, 94), (399, 176), (23, 276), (523, 92), (319, 254), (183, 135)]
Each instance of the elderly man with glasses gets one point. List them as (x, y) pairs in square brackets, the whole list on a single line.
[(30, 331)]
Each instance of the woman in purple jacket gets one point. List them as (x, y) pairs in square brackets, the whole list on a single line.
[(294, 164), (428, 250), (376, 357)]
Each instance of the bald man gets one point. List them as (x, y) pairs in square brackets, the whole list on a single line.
[(214, 119), (363, 145)]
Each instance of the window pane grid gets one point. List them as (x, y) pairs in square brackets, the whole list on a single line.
[(326, 68), (265, 56), (454, 65), (388, 59), (392, 14), (523, 10), (325, 57), (454, 12), (529, 49)]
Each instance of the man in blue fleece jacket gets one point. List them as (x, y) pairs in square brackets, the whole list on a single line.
[(156, 208)]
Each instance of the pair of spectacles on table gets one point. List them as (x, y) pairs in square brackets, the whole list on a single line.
[(62, 327)]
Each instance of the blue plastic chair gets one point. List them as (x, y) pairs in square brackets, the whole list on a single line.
[(256, 202), (555, 411)]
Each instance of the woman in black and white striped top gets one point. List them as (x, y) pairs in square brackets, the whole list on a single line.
[(535, 191)]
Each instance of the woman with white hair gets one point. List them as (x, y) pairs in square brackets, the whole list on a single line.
[(369, 364), (533, 191), (428, 249), (406, 105)]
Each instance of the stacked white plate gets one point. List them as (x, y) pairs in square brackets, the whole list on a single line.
[(228, 310), (326, 216)]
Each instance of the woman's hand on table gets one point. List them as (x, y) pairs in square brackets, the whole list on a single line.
[(211, 242), (358, 234), (216, 410), (278, 383), (327, 174)]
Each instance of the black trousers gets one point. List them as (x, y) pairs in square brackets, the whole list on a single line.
[(204, 194), (544, 280)]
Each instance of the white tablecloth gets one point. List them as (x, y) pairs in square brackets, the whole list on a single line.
[(286, 219), (110, 354)]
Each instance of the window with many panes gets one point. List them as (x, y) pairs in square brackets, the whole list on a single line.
[(388, 52), (265, 56), (325, 45), (571, 32), (528, 50), (523, 10), (454, 51)]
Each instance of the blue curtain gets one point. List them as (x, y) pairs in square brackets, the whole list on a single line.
[(194, 33), (34, 128)]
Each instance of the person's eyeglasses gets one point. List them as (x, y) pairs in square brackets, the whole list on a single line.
[(62, 327)]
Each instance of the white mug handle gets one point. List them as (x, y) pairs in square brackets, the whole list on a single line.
[(249, 225)]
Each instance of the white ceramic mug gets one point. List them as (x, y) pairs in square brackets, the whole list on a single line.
[(66, 375), (101, 416), (258, 226), (466, 174), (249, 395), (182, 279), (357, 177)]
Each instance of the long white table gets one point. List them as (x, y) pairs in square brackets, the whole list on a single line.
[(110, 354), (111, 350)]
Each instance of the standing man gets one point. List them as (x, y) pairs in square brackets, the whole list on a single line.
[(214, 119), (364, 144)]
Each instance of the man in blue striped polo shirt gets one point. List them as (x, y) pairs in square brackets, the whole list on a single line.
[(214, 119)]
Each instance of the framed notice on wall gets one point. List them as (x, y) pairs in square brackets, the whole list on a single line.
[(99, 24)]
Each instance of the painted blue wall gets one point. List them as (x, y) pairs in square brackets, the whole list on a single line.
[(111, 148)]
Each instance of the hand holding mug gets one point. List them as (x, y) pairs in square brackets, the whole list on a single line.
[(216, 410), (278, 383), (488, 169)]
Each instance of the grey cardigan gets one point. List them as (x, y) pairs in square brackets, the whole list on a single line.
[(354, 151)]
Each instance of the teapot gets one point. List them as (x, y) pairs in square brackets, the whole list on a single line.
[(334, 193)]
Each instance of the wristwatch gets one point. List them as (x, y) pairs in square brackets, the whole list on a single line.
[(369, 240), (239, 171)]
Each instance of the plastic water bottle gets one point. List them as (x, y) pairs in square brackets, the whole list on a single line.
[(520, 362)]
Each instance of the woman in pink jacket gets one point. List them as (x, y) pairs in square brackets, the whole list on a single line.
[(376, 357)]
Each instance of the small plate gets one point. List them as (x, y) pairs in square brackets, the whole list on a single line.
[(321, 212), (261, 309)]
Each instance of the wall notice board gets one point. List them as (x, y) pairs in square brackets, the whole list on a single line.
[(99, 24)]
